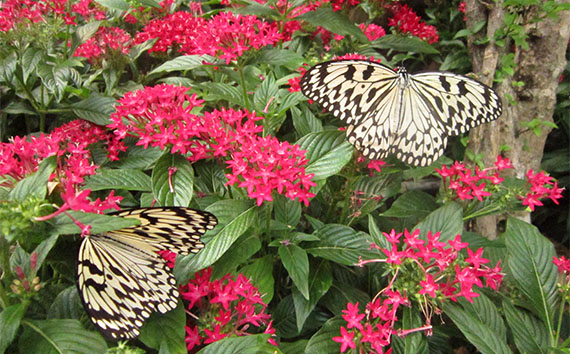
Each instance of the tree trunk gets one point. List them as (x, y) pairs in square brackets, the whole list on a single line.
[(539, 67)]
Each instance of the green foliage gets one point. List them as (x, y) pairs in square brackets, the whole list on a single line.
[(301, 257)]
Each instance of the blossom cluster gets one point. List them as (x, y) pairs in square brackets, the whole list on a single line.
[(224, 35), (372, 31), (222, 308), (468, 184), (433, 270), (89, 9), (162, 116), (13, 12), (105, 42), (407, 21), (70, 143)]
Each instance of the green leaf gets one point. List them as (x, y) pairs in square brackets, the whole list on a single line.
[(165, 332), (59, 337), (10, 319), (379, 239), (530, 264), (404, 43), (334, 21), (416, 204), (128, 179), (293, 347), (265, 93), (321, 342), (447, 220), (138, 158), (529, 333), (35, 185), (218, 91), (487, 313), (96, 109), (320, 281), (227, 235), (340, 294), (99, 223), (286, 211), (120, 5), (413, 343), (44, 248), (288, 58), (341, 244), (305, 121), (240, 252), (296, 261), (252, 344), (476, 332), (181, 180), (183, 63), (260, 271), (327, 152), (67, 304)]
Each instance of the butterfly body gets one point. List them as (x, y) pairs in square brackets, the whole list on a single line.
[(394, 112), (122, 279)]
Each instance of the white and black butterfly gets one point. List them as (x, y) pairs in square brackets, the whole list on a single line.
[(121, 277), (394, 112)]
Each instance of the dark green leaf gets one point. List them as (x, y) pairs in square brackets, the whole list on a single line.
[(67, 304), (138, 158), (218, 91), (35, 185), (379, 239), (447, 220), (252, 344), (183, 63), (530, 264), (181, 180), (288, 58), (10, 319), (287, 211), (321, 342), (227, 235), (58, 337), (334, 21), (241, 251), (486, 312), (305, 121), (404, 43), (476, 332), (99, 223), (120, 5), (296, 261), (96, 109), (294, 347), (341, 294), (327, 153), (128, 179), (165, 332), (412, 204), (341, 244), (320, 280), (529, 333)]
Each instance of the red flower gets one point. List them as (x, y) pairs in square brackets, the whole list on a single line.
[(406, 20), (346, 340), (372, 31), (352, 317)]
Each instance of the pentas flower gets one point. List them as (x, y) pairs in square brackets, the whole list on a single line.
[(89, 10), (225, 35), (70, 143), (222, 308), (407, 21), (372, 31), (162, 116), (434, 270), (540, 186), (338, 5), (106, 42), (15, 12), (326, 37)]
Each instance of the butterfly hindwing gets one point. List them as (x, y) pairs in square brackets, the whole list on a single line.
[(121, 278), (393, 112)]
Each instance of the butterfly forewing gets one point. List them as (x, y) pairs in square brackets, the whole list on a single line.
[(390, 112), (121, 278)]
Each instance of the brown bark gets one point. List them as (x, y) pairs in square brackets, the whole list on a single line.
[(539, 68)]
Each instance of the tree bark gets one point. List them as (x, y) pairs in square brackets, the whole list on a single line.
[(539, 68)]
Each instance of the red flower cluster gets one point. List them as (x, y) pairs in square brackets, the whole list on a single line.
[(372, 31), (106, 42), (222, 308), (161, 116), (407, 21), (70, 143), (430, 268), (337, 5), (563, 264), (224, 35), (541, 186), (89, 9), (13, 12), (468, 184)]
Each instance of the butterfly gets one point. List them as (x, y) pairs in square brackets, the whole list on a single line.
[(122, 279), (393, 112)]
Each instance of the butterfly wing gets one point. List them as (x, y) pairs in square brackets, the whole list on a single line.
[(120, 276), (121, 286)]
